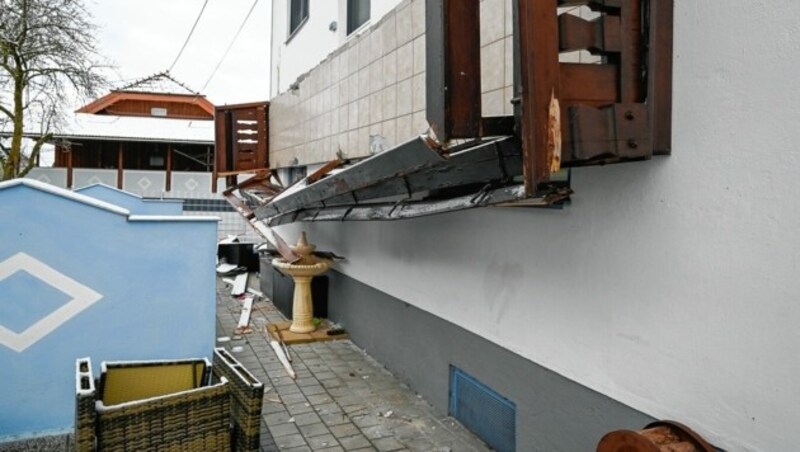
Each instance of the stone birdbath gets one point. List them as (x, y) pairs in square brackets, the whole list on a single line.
[(302, 272)]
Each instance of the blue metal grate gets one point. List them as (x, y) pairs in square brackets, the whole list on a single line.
[(482, 410)]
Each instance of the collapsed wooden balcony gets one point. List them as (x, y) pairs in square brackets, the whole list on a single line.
[(565, 115)]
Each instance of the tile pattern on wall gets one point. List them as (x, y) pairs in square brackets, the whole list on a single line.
[(369, 94)]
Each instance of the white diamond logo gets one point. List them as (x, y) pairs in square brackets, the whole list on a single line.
[(82, 298), (191, 184), (144, 183)]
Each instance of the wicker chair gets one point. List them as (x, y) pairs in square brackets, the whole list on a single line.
[(217, 409)]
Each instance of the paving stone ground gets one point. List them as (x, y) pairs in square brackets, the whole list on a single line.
[(342, 400)]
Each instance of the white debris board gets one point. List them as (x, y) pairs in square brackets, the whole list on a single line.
[(239, 284), (244, 319)]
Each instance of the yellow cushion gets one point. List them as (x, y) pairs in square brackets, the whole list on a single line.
[(135, 381)]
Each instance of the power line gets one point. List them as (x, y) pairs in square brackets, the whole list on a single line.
[(199, 15), (219, 63)]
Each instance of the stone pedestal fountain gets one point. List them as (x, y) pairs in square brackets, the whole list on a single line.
[(302, 272)]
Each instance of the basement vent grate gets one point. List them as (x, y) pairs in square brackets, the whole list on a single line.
[(486, 413)]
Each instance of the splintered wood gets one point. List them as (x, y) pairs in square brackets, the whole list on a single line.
[(554, 134)]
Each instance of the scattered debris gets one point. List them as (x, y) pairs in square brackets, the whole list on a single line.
[(228, 239), (244, 319), (388, 413), (223, 339), (335, 330), (237, 349), (275, 401), (277, 332), (281, 356), (255, 292), (239, 284), (229, 269), (291, 420)]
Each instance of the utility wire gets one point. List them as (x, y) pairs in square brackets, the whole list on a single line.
[(219, 63), (199, 15)]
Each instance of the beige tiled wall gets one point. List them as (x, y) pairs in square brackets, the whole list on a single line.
[(371, 91)]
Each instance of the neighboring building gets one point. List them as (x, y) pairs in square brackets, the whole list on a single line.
[(153, 138), (80, 276), (140, 137), (665, 289)]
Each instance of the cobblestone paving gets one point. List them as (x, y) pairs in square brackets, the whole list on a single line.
[(342, 398)]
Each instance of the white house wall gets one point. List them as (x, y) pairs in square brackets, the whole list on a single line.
[(293, 57), (670, 285)]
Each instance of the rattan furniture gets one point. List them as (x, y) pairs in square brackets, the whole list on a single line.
[(181, 405)]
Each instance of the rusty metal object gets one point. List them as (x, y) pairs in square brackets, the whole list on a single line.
[(661, 436)]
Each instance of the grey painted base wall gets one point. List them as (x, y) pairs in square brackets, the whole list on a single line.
[(553, 412)]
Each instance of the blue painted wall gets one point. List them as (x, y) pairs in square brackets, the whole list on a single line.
[(155, 278), (134, 203)]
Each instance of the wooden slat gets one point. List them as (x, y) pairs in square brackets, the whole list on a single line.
[(594, 83), (262, 148), (659, 97), (630, 63), (599, 35), (497, 126), (325, 169), (220, 140), (620, 131), (236, 173), (537, 37), (463, 71), (453, 78)]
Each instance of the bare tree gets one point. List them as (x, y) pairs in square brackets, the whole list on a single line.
[(47, 47)]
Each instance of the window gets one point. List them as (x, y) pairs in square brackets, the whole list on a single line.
[(298, 14), (357, 14)]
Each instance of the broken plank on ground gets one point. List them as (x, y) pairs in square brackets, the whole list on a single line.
[(239, 284), (244, 318)]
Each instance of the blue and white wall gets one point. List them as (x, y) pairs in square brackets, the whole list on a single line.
[(669, 285), (82, 277), (132, 202)]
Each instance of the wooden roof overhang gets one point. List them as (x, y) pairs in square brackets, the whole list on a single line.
[(114, 97)]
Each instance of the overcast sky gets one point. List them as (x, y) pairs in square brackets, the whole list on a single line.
[(142, 37)]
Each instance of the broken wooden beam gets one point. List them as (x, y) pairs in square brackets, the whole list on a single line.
[(405, 158)]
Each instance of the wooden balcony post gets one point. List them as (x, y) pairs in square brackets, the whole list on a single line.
[(120, 164), (168, 183)]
